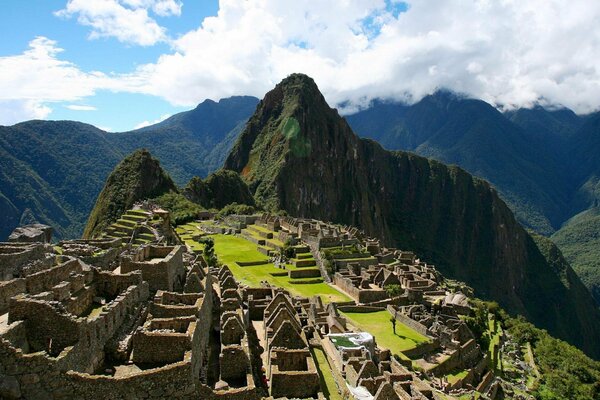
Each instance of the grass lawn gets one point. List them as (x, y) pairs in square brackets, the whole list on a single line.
[(378, 324), (231, 248), (327, 381)]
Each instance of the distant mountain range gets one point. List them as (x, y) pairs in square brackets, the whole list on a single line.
[(52, 171), (544, 163)]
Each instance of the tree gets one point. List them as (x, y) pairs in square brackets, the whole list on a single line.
[(209, 252), (393, 321), (393, 290)]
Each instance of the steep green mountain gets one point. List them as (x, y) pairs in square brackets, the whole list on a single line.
[(477, 137), (52, 171), (218, 190), (137, 177), (299, 155)]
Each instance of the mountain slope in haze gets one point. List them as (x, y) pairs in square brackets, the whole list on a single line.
[(579, 240), (195, 142), (477, 137), (299, 155), (52, 171), (137, 177)]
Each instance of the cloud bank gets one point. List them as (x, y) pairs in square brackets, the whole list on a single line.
[(507, 52)]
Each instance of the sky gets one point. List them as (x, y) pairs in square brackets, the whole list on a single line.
[(123, 64)]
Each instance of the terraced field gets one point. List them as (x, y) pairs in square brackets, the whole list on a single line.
[(124, 227), (233, 250)]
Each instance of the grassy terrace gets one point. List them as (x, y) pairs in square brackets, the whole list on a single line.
[(378, 324), (274, 240), (230, 249), (327, 381)]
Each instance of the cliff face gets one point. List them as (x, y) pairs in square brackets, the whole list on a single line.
[(299, 155), (137, 177)]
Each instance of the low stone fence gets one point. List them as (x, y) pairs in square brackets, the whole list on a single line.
[(251, 263), (359, 309), (305, 273)]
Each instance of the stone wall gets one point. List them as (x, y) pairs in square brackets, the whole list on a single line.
[(364, 296), (162, 267), (461, 358), (47, 329), (159, 347), (8, 290), (45, 280), (13, 256)]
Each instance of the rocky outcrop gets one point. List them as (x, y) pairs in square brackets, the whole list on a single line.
[(299, 155), (137, 177)]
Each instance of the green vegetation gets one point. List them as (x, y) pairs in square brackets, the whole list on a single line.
[(566, 373), (137, 177), (58, 168), (235, 208), (181, 209), (393, 290), (457, 375), (378, 324), (579, 240), (209, 251)]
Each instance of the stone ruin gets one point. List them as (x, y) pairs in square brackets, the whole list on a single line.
[(107, 319), (34, 233)]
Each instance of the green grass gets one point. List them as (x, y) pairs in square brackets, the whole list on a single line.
[(328, 385), (457, 375), (378, 324), (230, 248)]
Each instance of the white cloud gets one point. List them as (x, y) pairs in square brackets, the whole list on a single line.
[(31, 80), (511, 53), (144, 124), (17, 110), (80, 107), (126, 20)]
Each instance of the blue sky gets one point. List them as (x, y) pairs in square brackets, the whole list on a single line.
[(120, 64), (24, 20)]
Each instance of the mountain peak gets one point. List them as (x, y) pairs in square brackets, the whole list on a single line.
[(138, 177)]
